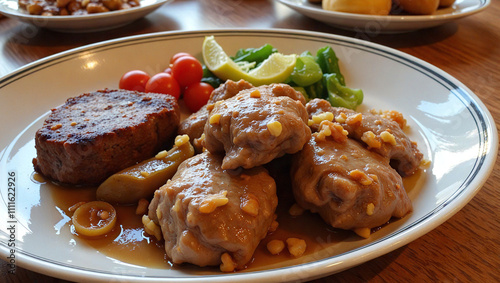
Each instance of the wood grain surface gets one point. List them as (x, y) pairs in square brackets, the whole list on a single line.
[(466, 248)]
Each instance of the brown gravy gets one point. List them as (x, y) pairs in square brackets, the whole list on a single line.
[(128, 242)]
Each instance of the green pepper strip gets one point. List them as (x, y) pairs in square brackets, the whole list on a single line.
[(256, 55), (210, 78), (316, 90), (306, 71), (341, 96), (329, 63)]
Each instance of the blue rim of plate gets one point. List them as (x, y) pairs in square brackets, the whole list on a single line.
[(487, 139)]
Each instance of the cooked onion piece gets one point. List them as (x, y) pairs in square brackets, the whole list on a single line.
[(94, 218), (140, 181)]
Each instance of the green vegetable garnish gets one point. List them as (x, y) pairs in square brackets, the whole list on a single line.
[(314, 76), (257, 55), (329, 63), (341, 96), (316, 90), (306, 71), (210, 78)]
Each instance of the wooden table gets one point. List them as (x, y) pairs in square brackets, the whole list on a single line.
[(464, 249)]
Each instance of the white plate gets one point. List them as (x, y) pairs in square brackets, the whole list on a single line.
[(453, 128), (83, 23), (387, 24)]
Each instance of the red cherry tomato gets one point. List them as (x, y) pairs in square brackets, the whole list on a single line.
[(168, 70), (164, 83), (179, 55), (187, 70), (196, 95), (134, 80)]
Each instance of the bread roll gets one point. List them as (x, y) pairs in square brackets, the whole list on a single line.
[(418, 7), (371, 7), (446, 3)]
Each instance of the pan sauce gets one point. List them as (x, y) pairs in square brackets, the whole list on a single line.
[(128, 242)]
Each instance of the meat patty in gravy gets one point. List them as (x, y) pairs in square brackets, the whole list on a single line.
[(348, 185), (205, 211), (257, 125), (381, 135), (96, 134)]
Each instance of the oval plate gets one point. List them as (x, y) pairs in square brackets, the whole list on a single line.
[(453, 128), (387, 24), (82, 23)]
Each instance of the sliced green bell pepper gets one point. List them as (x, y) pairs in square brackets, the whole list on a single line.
[(306, 71), (329, 63), (257, 55), (341, 96)]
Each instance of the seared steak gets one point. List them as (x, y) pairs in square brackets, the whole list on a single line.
[(96, 134)]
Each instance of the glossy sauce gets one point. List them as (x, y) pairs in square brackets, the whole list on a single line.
[(128, 242)]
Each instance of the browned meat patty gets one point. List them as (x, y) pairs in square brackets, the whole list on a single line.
[(348, 185), (257, 125), (205, 211), (193, 125), (382, 135), (96, 134)]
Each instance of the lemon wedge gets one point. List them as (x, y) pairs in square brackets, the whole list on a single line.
[(275, 69)]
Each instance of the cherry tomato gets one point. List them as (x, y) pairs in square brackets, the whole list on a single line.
[(196, 95), (187, 70), (134, 80), (164, 83), (168, 70), (179, 55)]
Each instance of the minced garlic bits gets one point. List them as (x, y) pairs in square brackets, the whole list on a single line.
[(211, 202), (275, 128)]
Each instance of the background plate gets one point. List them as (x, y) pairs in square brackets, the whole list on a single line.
[(84, 23), (453, 128), (387, 24)]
